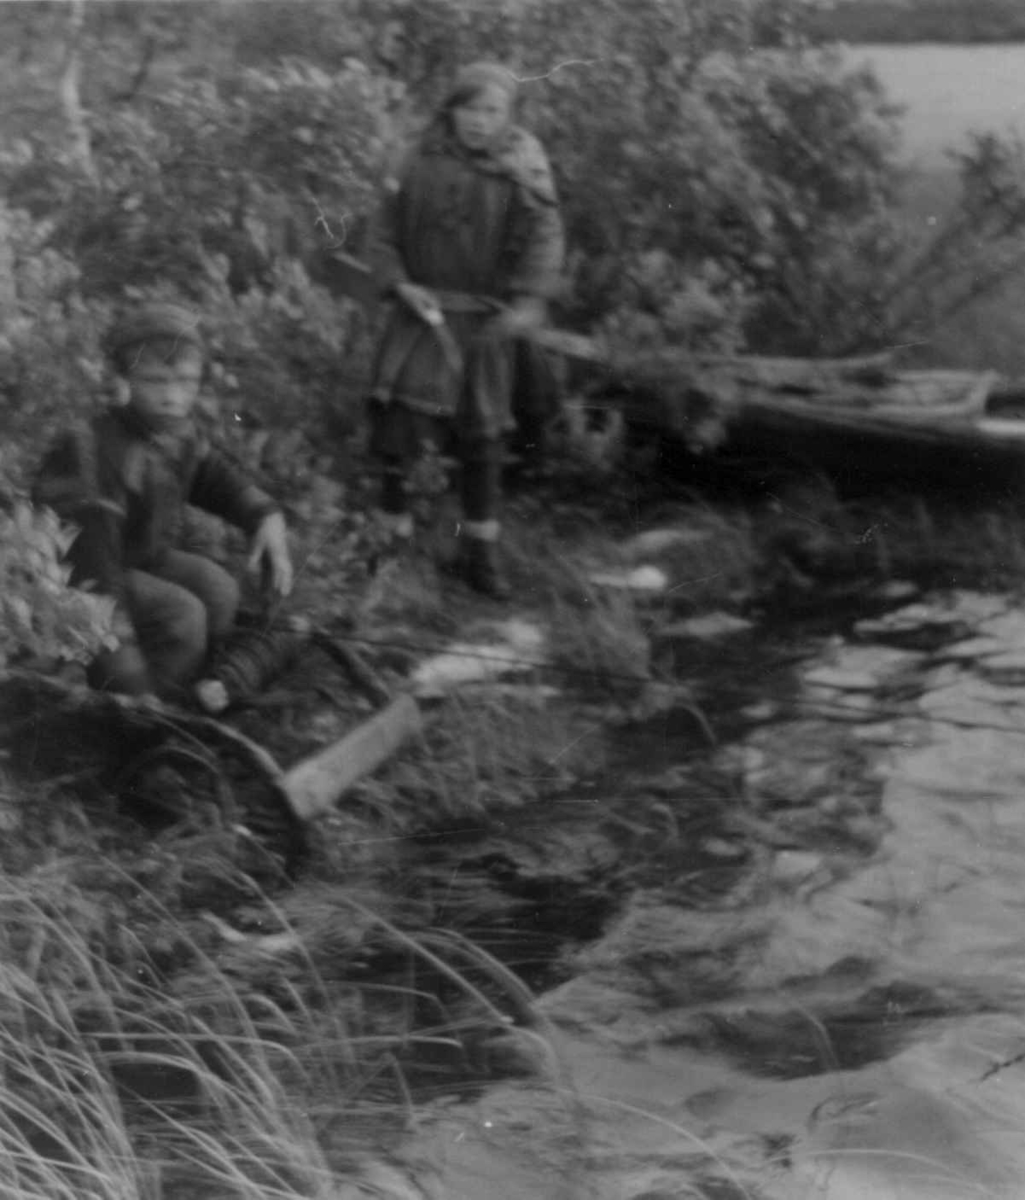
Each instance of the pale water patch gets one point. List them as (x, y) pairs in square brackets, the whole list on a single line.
[(707, 627), (643, 579), (509, 647), (943, 1119), (653, 542), (948, 92), (860, 668), (901, 1142), (942, 900), (940, 910)]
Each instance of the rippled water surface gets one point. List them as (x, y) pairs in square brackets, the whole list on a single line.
[(844, 1020)]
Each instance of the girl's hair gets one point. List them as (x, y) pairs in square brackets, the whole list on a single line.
[(465, 93), (462, 94), (474, 78)]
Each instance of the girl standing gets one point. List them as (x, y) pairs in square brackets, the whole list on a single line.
[(470, 248)]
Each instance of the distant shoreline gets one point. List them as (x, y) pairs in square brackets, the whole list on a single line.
[(924, 22), (926, 43)]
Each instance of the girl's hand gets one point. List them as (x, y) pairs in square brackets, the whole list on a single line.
[(421, 301), (523, 315), (270, 543)]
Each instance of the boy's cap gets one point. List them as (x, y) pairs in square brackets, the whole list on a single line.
[(150, 322)]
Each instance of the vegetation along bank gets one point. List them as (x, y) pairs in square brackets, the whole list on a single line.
[(192, 1003)]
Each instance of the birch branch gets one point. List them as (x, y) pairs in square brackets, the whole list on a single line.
[(71, 95)]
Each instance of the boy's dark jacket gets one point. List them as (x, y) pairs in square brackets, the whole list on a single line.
[(125, 487)]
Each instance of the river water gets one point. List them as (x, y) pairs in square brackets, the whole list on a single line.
[(949, 91), (845, 1019)]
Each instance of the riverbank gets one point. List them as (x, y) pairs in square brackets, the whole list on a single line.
[(556, 820)]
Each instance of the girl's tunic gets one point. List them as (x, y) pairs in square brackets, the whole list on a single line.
[(478, 230)]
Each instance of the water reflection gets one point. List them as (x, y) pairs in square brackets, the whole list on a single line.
[(869, 988), (841, 1016)]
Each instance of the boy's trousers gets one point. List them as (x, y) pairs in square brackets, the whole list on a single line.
[(177, 608)]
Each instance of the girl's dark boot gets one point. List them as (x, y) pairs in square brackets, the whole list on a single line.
[(477, 560), (478, 541), (481, 567), (392, 519)]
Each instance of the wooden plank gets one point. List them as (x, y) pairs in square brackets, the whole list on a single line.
[(909, 399), (1005, 429), (318, 782), (946, 418), (799, 374), (798, 424)]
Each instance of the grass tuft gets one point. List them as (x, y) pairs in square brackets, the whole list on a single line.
[(151, 1054)]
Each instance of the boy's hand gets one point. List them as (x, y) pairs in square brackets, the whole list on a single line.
[(122, 628), (270, 542)]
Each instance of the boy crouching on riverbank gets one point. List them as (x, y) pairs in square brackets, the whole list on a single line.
[(124, 481)]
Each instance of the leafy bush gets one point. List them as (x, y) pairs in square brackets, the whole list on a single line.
[(897, 279), (727, 184), (51, 366), (41, 615), (669, 134), (215, 191), (709, 140)]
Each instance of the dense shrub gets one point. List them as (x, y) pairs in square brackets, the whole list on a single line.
[(706, 133), (672, 133), (51, 367), (726, 183), (41, 616)]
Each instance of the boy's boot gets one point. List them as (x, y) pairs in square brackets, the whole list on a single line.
[(478, 559)]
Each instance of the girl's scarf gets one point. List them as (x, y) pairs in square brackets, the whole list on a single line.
[(517, 155)]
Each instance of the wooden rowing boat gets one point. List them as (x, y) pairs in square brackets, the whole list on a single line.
[(859, 418)]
